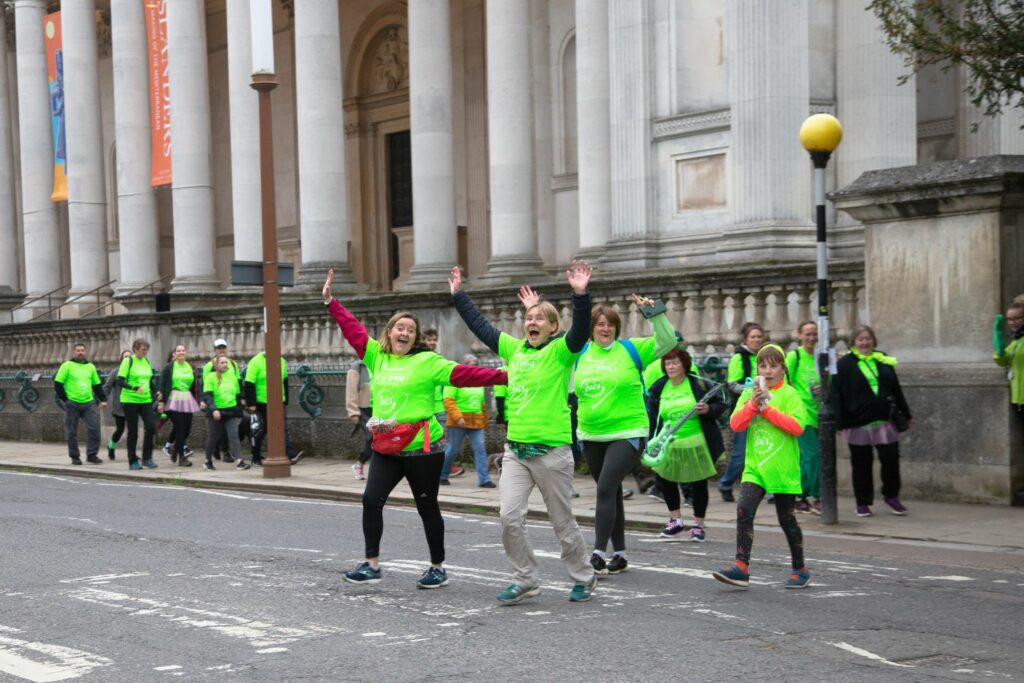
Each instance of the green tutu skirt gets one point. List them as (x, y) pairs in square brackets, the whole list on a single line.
[(684, 460)]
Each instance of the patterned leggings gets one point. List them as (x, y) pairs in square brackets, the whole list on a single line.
[(750, 498)]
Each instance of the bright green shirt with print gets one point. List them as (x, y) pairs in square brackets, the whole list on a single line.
[(438, 399), (734, 373), (78, 380), (404, 388), (226, 391), (537, 406), (676, 401), (803, 375), (138, 373), (1013, 358), (501, 390), (653, 372), (772, 455), (256, 373), (232, 367), (182, 377), (467, 399)]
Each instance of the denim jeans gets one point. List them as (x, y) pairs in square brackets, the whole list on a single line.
[(476, 441), (737, 459)]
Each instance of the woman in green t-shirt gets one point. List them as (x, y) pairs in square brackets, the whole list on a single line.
[(802, 367), (135, 377), (178, 391), (222, 395), (741, 368), (539, 430)]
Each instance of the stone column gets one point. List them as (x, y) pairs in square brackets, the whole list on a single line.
[(138, 232), (9, 280), (593, 126), (191, 168), (510, 142), (767, 49), (433, 167), (87, 195), (994, 135), (35, 135), (245, 137), (323, 206)]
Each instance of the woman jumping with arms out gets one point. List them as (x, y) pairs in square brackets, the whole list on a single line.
[(408, 440), (537, 410)]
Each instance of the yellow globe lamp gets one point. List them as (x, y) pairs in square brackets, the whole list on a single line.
[(821, 133)]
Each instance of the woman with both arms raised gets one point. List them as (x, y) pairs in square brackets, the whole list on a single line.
[(539, 431), (405, 374)]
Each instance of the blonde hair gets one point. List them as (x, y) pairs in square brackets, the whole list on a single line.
[(385, 336), (550, 312)]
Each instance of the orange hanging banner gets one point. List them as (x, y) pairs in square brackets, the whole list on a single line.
[(159, 92), (55, 78)]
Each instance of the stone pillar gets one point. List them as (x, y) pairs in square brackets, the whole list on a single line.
[(435, 238), (323, 206), (9, 280), (246, 218), (35, 135), (593, 127), (195, 240), (510, 143), (138, 231), (632, 182), (87, 195), (767, 48), (994, 135)]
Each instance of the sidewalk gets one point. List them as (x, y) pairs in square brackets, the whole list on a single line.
[(968, 527)]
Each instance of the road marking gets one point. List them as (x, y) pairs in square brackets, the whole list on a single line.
[(104, 578), (867, 655), (169, 667), (271, 650), (535, 614), (839, 594), (952, 577), (374, 634), (720, 615), (60, 664), (275, 547)]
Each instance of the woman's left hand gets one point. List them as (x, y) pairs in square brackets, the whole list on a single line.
[(528, 297), (579, 276), (642, 301)]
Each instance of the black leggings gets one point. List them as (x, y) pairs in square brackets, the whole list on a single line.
[(670, 490), (609, 463), (182, 428), (750, 498), (119, 425), (423, 472), (861, 461), (132, 413)]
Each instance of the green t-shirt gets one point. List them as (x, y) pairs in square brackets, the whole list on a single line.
[(537, 407), (676, 401), (467, 399), (611, 399), (501, 390), (78, 379), (803, 375), (208, 369), (734, 373), (182, 377), (138, 373), (653, 372), (869, 368), (438, 399), (225, 392), (404, 388), (772, 455), (1013, 358), (256, 373)]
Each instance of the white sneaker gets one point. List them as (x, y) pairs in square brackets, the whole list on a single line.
[(357, 470)]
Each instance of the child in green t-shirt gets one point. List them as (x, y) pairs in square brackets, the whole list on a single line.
[(771, 413)]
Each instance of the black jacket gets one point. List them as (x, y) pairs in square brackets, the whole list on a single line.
[(165, 382), (854, 402), (708, 422), (575, 338)]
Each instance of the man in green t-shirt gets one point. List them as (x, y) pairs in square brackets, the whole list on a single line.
[(255, 392), (429, 337), (78, 384), (1011, 356)]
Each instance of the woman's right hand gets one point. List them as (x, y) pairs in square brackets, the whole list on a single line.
[(327, 286), (216, 415), (455, 281)]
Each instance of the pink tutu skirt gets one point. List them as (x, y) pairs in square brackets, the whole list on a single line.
[(874, 434), (182, 402)]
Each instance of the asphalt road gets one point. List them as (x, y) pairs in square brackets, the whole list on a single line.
[(111, 581)]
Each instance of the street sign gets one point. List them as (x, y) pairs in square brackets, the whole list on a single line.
[(250, 274)]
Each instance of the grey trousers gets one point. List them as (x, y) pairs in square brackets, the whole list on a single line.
[(87, 413), (552, 474)]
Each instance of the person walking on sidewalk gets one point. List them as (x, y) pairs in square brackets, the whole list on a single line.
[(112, 388), (179, 388), (802, 367), (222, 396), (359, 406), (135, 378), (77, 383), (741, 368), (220, 348), (256, 402), (466, 417), (771, 413), (408, 442), (539, 430), (870, 411), (612, 419), (691, 456), (1011, 356)]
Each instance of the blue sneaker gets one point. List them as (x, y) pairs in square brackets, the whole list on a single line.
[(515, 593), (435, 577), (364, 573), (799, 579), (136, 465), (581, 592), (148, 462), (734, 576)]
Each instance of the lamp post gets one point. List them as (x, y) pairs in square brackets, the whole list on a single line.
[(820, 135), (276, 465)]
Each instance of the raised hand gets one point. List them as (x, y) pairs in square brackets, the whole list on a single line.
[(327, 286), (455, 281), (528, 297), (642, 301), (579, 276)]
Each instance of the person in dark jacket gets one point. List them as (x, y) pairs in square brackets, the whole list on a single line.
[(77, 383), (179, 391), (868, 403), (698, 444)]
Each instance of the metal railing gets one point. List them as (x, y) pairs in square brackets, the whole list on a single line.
[(49, 301), (150, 286)]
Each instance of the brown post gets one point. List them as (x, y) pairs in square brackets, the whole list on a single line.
[(276, 465)]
